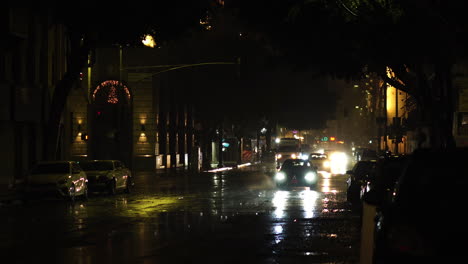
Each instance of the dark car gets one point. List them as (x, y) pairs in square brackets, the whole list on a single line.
[(365, 154), (356, 177), (424, 222), (296, 172), (384, 175)]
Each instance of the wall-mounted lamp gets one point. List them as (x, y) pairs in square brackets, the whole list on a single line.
[(143, 128)]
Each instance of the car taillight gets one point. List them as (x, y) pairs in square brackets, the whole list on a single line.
[(405, 240)]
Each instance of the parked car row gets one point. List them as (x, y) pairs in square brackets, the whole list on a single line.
[(413, 209), (72, 179)]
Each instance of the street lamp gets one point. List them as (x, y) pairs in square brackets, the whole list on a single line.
[(148, 41)]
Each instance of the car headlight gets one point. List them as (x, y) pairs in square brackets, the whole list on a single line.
[(304, 157), (278, 156), (310, 177), (280, 176), (293, 156), (326, 164)]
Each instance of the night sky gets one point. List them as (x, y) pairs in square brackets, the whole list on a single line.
[(271, 86)]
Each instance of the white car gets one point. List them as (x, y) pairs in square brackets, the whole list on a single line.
[(61, 178), (107, 175)]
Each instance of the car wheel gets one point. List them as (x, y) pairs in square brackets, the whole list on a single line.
[(72, 193), (128, 185), (112, 187)]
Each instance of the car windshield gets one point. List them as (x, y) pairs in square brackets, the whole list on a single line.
[(96, 165), (53, 168), (318, 156), (287, 149), (289, 164)]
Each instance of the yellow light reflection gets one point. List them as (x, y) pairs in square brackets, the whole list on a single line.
[(326, 185), (325, 174)]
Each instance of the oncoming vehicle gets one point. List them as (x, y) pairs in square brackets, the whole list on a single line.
[(57, 178), (296, 172), (107, 175), (287, 148), (321, 161)]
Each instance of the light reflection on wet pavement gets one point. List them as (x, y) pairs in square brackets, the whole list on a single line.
[(228, 217)]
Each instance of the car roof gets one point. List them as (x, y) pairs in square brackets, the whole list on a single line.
[(96, 160), (54, 161)]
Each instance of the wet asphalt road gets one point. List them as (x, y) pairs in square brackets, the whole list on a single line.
[(235, 216)]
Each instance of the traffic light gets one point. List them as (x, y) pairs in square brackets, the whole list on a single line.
[(84, 136)]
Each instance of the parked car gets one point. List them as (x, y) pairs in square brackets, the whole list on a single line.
[(423, 222), (356, 176), (296, 172), (108, 175), (65, 179), (365, 154), (320, 160), (384, 175)]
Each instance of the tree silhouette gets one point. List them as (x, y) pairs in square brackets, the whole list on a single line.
[(420, 41)]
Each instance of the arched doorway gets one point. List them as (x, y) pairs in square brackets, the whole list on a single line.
[(111, 122)]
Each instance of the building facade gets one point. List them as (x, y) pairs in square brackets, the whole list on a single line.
[(33, 58)]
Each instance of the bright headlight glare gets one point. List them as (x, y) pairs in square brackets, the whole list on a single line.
[(278, 156), (280, 176), (310, 177), (304, 157), (293, 156), (326, 164)]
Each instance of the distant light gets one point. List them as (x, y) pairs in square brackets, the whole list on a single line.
[(226, 144), (277, 140), (148, 41), (357, 107), (264, 130)]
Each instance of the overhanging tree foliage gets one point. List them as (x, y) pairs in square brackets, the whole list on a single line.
[(420, 41)]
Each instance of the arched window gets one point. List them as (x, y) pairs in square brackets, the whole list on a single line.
[(111, 92)]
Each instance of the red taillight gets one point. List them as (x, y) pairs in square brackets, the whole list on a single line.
[(405, 240)]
